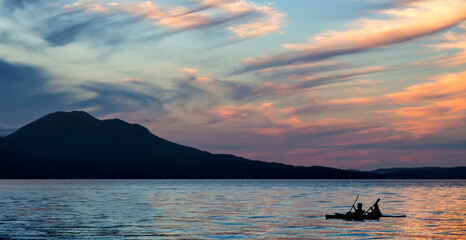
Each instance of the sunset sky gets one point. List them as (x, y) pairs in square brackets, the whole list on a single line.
[(359, 84)]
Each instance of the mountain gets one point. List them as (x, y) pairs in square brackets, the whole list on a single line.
[(423, 173), (79, 135), (77, 145)]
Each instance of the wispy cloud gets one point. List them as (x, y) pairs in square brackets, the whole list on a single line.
[(446, 86), (414, 20), (300, 71), (107, 98), (243, 18), (307, 82), (452, 41), (438, 105)]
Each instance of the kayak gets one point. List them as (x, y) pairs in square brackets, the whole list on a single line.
[(350, 217), (359, 218), (372, 213)]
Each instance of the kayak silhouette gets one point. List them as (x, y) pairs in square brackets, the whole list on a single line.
[(373, 213)]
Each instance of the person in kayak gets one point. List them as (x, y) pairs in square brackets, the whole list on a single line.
[(358, 212), (374, 210)]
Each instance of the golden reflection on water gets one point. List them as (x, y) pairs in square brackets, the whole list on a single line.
[(433, 212)]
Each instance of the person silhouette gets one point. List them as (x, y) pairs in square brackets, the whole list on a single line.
[(375, 211), (358, 212)]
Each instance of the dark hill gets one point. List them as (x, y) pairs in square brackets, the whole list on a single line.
[(77, 145), (425, 173)]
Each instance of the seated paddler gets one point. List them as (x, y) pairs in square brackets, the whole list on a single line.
[(375, 210)]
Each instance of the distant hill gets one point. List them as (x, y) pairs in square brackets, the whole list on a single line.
[(423, 173), (389, 170), (77, 145)]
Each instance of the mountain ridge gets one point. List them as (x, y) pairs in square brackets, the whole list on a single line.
[(77, 145)]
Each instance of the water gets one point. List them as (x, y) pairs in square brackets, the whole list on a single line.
[(228, 209)]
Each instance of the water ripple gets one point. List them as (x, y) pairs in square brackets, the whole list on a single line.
[(227, 209)]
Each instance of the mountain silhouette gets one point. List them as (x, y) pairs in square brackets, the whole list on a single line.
[(78, 134), (77, 145)]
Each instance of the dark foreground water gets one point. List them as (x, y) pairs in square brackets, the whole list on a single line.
[(222, 209)]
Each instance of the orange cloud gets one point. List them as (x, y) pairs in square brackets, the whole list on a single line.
[(417, 19), (444, 105), (230, 113), (415, 112), (258, 112), (449, 106), (265, 119), (354, 101), (414, 20), (423, 126), (449, 85), (189, 71), (420, 109)]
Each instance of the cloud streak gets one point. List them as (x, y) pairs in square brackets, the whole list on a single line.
[(271, 88), (108, 98), (438, 105), (242, 18), (415, 20)]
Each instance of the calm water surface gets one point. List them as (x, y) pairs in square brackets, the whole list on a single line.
[(228, 209)]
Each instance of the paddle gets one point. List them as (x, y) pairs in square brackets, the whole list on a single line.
[(354, 203)]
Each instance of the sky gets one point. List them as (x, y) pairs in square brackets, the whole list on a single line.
[(351, 84)]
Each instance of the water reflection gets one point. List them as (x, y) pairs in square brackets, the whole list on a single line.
[(222, 209)]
